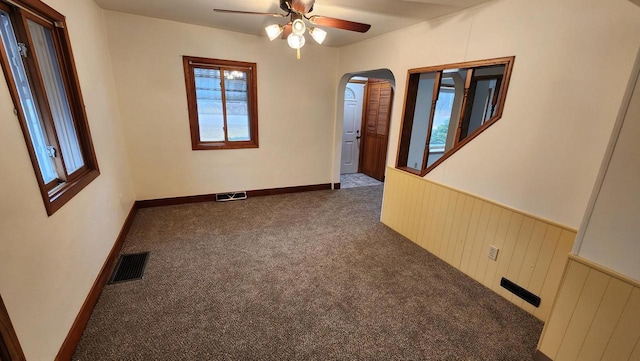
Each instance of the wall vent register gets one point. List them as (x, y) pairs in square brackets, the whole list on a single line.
[(235, 196), (520, 292), (130, 267)]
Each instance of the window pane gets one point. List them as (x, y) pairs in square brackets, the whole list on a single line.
[(482, 108), (235, 86), (221, 101), (441, 121), (209, 103), (442, 117), (57, 96), (421, 120), (485, 101), (32, 117)]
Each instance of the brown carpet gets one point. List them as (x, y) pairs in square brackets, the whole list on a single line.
[(309, 276)]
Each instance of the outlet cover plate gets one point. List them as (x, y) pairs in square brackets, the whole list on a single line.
[(493, 252)]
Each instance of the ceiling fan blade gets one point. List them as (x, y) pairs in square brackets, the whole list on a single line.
[(249, 13), (286, 31), (339, 23)]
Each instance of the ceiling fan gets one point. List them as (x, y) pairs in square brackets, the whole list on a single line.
[(297, 11)]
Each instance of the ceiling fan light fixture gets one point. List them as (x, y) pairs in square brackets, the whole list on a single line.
[(318, 35), (296, 41), (298, 27), (273, 31)]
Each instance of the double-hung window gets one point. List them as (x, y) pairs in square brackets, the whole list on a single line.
[(39, 69), (223, 104)]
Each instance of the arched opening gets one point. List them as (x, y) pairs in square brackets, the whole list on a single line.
[(363, 119)]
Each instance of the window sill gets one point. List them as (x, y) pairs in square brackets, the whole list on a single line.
[(66, 191), (410, 170), (222, 145)]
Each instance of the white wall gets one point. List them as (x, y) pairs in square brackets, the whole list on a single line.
[(542, 157), (48, 264), (609, 235), (296, 107)]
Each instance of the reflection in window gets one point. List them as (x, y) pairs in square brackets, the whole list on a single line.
[(441, 118), (484, 90)]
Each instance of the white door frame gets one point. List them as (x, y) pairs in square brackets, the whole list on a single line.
[(351, 127)]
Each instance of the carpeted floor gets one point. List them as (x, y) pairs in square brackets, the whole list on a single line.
[(308, 276)]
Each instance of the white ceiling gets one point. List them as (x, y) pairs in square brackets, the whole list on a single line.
[(383, 15)]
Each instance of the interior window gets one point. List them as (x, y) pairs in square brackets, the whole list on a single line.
[(446, 106)]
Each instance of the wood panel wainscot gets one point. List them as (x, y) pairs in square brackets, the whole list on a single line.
[(595, 317), (459, 228)]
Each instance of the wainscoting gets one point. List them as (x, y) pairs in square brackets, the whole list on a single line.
[(595, 317), (459, 228)]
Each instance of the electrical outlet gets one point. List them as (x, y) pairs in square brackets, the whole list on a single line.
[(493, 252)]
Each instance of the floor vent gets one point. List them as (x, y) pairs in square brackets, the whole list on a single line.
[(520, 292), (236, 196), (130, 267)]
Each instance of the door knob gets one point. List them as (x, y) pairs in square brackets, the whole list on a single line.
[(357, 134)]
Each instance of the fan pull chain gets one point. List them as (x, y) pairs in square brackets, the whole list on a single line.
[(298, 53)]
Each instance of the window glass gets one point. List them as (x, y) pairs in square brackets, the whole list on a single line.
[(31, 114), (485, 88), (442, 117), (209, 98), (421, 117), (465, 98), (56, 95), (441, 123), (237, 106), (44, 86), (222, 103)]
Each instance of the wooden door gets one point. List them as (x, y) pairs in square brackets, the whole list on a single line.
[(10, 349), (351, 127), (376, 128)]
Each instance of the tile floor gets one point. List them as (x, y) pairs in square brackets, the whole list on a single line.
[(357, 180)]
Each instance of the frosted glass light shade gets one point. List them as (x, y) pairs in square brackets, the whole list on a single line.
[(295, 41), (318, 35), (273, 31), (298, 27)]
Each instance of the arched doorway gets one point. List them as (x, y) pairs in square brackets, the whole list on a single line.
[(362, 127)]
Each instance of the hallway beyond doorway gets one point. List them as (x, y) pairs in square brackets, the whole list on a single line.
[(354, 180)]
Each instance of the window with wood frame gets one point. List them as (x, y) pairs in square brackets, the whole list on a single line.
[(447, 106), (40, 72), (223, 103)]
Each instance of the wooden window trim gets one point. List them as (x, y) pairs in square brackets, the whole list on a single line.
[(189, 63), (54, 194), (410, 104)]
